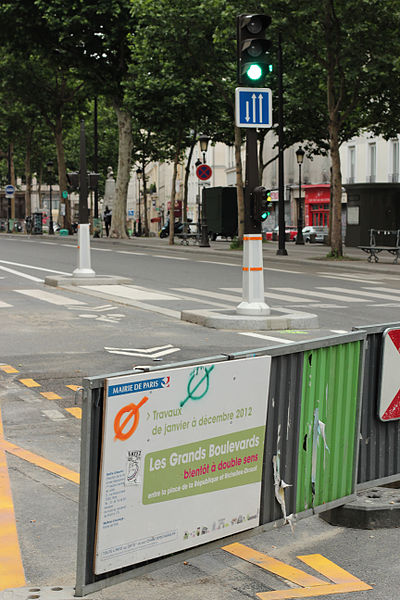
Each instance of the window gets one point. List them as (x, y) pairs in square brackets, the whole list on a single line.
[(352, 164), (395, 160), (372, 162)]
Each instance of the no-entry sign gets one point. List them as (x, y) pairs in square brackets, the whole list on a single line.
[(204, 172), (389, 398)]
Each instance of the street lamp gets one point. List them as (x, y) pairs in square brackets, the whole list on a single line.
[(50, 165), (139, 175), (204, 139), (204, 243), (299, 238)]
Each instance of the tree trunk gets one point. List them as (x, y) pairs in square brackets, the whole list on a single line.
[(336, 213), (239, 182), (62, 169), (186, 185), (334, 96), (173, 194), (118, 222)]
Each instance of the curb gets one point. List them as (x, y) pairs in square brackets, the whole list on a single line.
[(278, 319), (376, 508), (60, 280)]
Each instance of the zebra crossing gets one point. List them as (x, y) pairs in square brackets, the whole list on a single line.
[(317, 297), (174, 299)]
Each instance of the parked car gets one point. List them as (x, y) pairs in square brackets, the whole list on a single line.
[(313, 234), (290, 231)]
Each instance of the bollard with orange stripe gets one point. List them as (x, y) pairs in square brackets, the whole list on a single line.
[(253, 302)]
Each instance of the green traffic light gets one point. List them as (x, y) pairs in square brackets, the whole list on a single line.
[(254, 72)]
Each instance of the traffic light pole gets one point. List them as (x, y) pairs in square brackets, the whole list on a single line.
[(281, 199), (253, 303)]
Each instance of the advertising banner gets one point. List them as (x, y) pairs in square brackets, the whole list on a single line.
[(181, 461)]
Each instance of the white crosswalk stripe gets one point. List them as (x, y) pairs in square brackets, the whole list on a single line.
[(321, 294), (372, 295), (50, 297), (4, 304)]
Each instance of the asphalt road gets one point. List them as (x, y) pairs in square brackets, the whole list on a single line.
[(53, 337)]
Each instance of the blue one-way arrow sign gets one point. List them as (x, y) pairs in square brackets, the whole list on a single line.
[(253, 107)]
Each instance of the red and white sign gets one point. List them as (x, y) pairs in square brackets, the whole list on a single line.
[(389, 399), (204, 172)]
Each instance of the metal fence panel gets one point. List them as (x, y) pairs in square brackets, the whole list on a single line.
[(281, 438), (329, 411), (379, 448)]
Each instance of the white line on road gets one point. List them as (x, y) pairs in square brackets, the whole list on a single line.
[(102, 249), (49, 297), (320, 294), (25, 275), (374, 294), (382, 289), (283, 271), (14, 264), (214, 262), (4, 304), (169, 257), (155, 355), (270, 338), (270, 295), (131, 292), (347, 278)]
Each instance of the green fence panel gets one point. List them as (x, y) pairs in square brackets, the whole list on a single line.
[(329, 409)]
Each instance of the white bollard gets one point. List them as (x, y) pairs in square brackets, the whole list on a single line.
[(84, 269), (253, 303)]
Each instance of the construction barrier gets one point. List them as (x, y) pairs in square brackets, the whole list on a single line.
[(379, 453), (298, 407)]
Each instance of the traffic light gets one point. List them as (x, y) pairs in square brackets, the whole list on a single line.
[(261, 204), (253, 60)]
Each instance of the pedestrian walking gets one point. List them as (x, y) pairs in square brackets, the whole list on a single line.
[(107, 219)]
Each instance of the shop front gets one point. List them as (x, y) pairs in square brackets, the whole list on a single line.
[(316, 203)]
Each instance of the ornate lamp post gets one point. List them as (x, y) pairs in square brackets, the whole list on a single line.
[(50, 170), (139, 175), (299, 238), (204, 243)]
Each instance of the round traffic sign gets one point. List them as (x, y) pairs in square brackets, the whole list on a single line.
[(204, 172), (9, 189)]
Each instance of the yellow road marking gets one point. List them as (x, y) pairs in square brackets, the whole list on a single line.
[(8, 369), (11, 568), (311, 586), (273, 565), (30, 382), (328, 568), (75, 411), (51, 395), (73, 387), (39, 461), (313, 592)]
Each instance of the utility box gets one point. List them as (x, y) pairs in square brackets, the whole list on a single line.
[(371, 206), (221, 211), (37, 227)]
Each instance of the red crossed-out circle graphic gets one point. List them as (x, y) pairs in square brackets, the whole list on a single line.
[(204, 172)]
